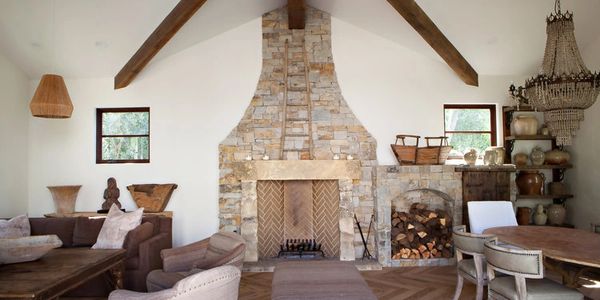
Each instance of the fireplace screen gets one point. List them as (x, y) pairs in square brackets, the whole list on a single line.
[(298, 210)]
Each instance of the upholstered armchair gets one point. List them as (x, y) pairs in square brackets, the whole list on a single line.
[(472, 269), (526, 280), (222, 248), (218, 283)]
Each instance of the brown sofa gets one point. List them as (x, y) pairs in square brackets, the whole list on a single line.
[(143, 245)]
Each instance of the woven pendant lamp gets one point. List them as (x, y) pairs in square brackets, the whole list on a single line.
[(51, 99)]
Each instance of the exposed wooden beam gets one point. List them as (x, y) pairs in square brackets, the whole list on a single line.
[(184, 10), (296, 12), (419, 20)]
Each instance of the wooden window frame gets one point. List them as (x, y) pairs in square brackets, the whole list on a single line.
[(493, 126), (99, 136)]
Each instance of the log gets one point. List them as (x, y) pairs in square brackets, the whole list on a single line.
[(422, 234)]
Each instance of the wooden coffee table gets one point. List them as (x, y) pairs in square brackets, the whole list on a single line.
[(58, 272)]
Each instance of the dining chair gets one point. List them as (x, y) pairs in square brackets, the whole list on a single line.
[(526, 275), (472, 269), (488, 214)]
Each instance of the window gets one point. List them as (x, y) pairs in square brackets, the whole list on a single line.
[(123, 135), (469, 126)]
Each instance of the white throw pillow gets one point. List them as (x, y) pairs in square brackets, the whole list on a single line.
[(15, 228), (116, 226)]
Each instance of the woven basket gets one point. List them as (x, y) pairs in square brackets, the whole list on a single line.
[(415, 155)]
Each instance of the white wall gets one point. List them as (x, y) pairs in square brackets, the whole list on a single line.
[(395, 90), (14, 97), (584, 179), (197, 96)]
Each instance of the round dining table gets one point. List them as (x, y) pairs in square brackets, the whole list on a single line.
[(570, 252)]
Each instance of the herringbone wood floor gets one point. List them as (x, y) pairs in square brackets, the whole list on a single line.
[(388, 284)]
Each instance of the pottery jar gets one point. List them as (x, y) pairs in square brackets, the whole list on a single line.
[(540, 217), (490, 157), (557, 188), (523, 215), (537, 156), (544, 130), (557, 157), (471, 157), (530, 182), (556, 214), (500, 153), (64, 197), (520, 159), (526, 124)]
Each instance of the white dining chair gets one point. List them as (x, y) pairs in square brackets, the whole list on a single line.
[(489, 214)]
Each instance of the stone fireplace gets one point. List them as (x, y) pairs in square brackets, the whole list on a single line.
[(301, 125)]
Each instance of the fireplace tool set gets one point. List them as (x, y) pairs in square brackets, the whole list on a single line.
[(366, 254), (300, 248)]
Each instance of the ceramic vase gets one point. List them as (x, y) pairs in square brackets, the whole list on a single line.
[(540, 217), (557, 157), (523, 215), (557, 188), (526, 124), (490, 157), (64, 197), (530, 183), (500, 153), (520, 159), (471, 157), (537, 156), (556, 214)]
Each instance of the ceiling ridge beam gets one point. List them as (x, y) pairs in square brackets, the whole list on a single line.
[(296, 14), (182, 12), (418, 19)]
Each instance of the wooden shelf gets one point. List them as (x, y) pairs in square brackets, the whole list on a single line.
[(545, 167), (529, 138), (533, 197)]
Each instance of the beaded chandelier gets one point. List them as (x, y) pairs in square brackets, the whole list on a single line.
[(565, 87)]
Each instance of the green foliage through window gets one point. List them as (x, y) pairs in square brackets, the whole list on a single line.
[(469, 126), (123, 135)]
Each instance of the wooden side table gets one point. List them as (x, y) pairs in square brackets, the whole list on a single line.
[(168, 214)]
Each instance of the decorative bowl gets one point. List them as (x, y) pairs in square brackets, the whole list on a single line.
[(152, 197), (29, 248)]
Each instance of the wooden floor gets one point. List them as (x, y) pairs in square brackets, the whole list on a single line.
[(388, 284), (394, 284)]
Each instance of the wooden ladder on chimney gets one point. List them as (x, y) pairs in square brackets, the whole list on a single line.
[(296, 125)]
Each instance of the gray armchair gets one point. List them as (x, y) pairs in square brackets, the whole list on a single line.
[(526, 280), (222, 248), (473, 269), (219, 283)]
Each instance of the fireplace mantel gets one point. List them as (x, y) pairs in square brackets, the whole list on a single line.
[(298, 170)]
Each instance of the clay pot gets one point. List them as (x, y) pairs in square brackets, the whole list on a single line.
[(523, 215), (520, 159), (530, 182), (540, 217), (490, 157), (526, 124), (64, 197), (557, 188), (500, 153), (544, 130), (556, 214), (537, 156), (557, 157), (471, 157)]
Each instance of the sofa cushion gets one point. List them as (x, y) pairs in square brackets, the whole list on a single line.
[(15, 228), (116, 226), (62, 227), (86, 231), (159, 280)]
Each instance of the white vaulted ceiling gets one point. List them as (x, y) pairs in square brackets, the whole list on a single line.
[(94, 38)]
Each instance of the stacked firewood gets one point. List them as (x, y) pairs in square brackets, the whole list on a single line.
[(421, 233)]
